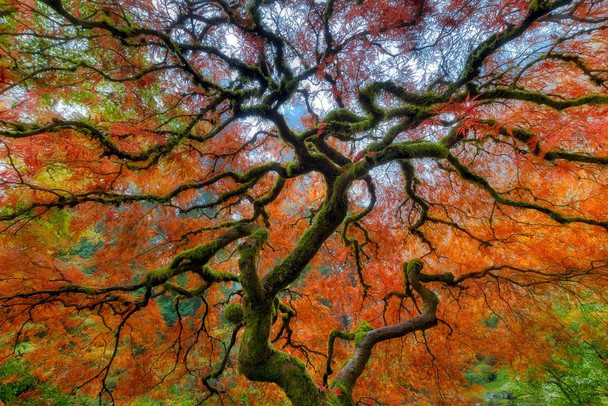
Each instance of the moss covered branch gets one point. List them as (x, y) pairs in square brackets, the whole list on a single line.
[(468, 175)]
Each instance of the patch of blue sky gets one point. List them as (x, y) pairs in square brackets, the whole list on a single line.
[(293, 114)]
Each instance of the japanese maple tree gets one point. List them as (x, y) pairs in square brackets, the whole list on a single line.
[(339, 201)]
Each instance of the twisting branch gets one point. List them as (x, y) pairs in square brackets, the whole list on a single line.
[(354, 367), (353, 242), (466, 174)]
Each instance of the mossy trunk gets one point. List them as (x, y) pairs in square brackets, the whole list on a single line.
[(259, 361)]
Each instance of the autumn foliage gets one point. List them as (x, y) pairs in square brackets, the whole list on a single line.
[(323, 201)]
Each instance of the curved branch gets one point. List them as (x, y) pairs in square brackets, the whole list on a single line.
[(347, 377), (466, 174)]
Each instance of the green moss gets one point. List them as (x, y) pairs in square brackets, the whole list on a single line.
[(326, 221), (543, 99), (247, 251), (275, 309), (343, 115), (288, 310), (216, 276), (159, 276), (260, 235), (410, 267), (425, 149), (234, 313), (414, 263), (362, 330), (404, 150), (535, 5), (87, 290), (293, 168), (259, 361)]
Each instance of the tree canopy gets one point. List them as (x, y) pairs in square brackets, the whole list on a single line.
[(327, 201)]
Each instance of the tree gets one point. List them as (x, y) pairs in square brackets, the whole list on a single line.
[(577, 376), (353, 201)]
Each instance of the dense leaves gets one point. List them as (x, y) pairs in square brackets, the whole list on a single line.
[(327, 202)]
